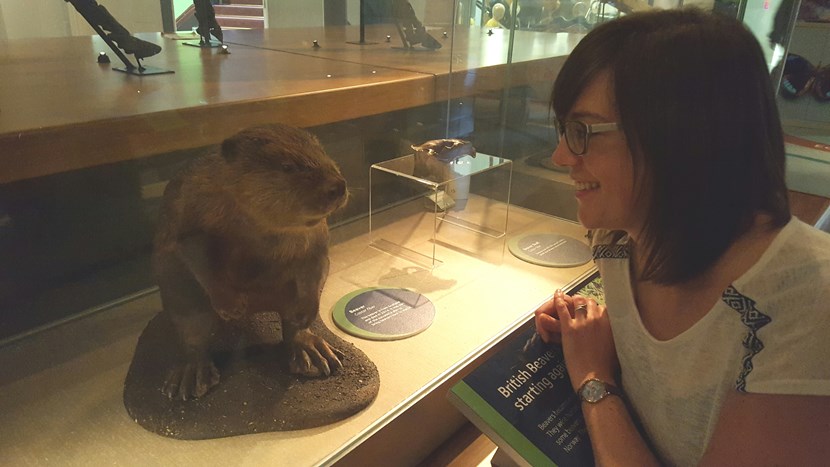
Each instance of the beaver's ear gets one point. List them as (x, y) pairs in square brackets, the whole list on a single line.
[(247, 142), (231, 148)]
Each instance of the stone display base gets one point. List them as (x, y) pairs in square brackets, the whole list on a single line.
[(256, 393)]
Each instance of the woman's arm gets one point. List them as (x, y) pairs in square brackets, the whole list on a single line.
[(614, 438), (752, 429), (771, 429), (589, 350)]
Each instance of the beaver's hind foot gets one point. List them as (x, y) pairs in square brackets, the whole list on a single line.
[(191, 380), (313, 356)]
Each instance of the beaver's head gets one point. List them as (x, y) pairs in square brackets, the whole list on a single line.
[(282, 177)]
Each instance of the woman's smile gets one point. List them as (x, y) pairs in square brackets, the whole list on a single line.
[(585, 186)]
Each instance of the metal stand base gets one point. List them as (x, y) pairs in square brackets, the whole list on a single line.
[(147, 70), (204, 45)]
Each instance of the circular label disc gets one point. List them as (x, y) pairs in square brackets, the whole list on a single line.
[(547, 249), (383, 313)]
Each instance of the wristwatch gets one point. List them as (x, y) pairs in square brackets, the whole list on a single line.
[(594, 390)]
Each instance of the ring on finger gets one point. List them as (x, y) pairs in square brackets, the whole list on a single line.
[(581, 309)]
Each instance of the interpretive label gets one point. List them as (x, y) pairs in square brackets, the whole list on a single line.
[(383, 313), (522, 398), (548, 249)]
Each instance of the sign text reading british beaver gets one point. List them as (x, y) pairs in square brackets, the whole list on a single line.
[(525, 388)]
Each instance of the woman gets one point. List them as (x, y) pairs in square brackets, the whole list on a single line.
[(717, 330)]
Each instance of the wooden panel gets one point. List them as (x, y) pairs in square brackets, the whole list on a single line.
[(63, 111), (808, 207), (463, 49), (471, 61)]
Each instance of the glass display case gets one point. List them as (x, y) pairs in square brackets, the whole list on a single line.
[(86, 154)]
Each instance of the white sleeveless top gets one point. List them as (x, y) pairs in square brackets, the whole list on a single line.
[(769, 333)]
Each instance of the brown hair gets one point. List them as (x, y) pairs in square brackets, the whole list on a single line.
[(698, 110)]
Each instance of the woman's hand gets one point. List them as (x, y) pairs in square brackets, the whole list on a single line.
[(547, 320), (586, 338)]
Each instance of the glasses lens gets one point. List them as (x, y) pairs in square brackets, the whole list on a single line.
[(576, 134)]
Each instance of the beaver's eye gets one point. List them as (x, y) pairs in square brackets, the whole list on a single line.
[(288, 167)]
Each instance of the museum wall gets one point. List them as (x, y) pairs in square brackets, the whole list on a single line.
[(57, 18), (280, 14)]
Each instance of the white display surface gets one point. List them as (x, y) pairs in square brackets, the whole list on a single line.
[(61, 390)]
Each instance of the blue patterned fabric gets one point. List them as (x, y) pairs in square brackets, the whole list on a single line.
[(754, 320), (616, 251)]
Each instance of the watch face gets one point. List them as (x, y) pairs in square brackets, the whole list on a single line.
[(593, 391)]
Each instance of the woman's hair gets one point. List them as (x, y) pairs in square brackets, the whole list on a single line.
[(698, 111)]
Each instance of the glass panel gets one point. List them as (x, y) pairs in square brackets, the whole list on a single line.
[(87, 152), (804, 97)]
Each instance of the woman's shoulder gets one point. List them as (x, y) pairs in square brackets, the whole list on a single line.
[(781, 304), (799, 246), (791, 280)]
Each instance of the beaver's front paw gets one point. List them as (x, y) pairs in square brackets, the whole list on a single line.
[(231, 309), (191, 381), (313, 356)]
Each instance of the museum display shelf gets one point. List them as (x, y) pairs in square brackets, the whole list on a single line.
[(61, 388), (87, 152), (100, 117)]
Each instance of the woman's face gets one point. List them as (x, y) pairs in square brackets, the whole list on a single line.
[(604, 175)]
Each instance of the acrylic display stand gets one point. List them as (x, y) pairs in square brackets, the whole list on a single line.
[(418, 202)]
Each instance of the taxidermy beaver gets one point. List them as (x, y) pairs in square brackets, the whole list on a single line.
[(244, 232)]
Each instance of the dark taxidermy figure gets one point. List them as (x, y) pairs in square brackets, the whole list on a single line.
[(411, 30), (243, 233), (112, 31), (433, 158), (445, 150), (206, 17)]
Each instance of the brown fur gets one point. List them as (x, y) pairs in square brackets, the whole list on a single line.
[(244, 232)]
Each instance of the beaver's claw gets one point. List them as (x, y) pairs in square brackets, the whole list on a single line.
[(313, 356), (191, 380)]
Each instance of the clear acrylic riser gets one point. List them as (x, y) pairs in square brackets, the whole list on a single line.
[(419, 203)]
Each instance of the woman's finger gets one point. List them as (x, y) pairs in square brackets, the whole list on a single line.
[(548, 328), (563, 312)]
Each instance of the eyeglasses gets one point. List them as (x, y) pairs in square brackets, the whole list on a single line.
[(578, 133)]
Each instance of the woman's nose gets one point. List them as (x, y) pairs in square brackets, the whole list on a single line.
[(562, 155)]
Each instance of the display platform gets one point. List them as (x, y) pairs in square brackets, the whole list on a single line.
[(255, 394), (61, 389)]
